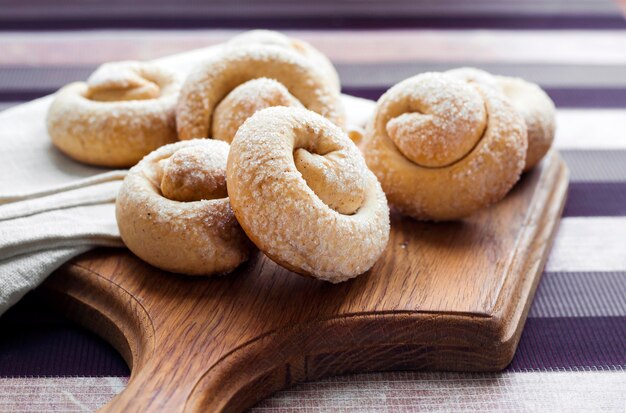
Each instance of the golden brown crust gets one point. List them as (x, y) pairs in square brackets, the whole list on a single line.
[(533, 104), (538, 112), (200, 237), (244, 101), (124, 111), (443, 117), (194, 173), (275, 197), (212, 81)]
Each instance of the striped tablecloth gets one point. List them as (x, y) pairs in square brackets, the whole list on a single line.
[(572, 354)]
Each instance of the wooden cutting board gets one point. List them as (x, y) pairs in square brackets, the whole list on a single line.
[(448, 296)]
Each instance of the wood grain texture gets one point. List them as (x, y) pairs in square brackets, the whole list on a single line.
[(447, 296)]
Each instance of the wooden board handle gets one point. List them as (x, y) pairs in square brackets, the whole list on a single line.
[(247, 374)]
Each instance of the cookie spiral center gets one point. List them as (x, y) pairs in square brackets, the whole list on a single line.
[(244, 101), (194, 174), (119, 82), (334, 178), (443, 120)]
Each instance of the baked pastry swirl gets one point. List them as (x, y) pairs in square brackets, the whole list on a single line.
[(532, 103), (270, 37), (301, 191), (124, 111), (173, 210), (443, 148), (228, 88)]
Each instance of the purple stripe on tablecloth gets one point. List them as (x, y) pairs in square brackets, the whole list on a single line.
[(593, 165), (588, 97), (563, 97), (24, 95), (571, 343), (531, 22), (580, 294), (57, 351), (25, 78), (38, 342), (587, 199)]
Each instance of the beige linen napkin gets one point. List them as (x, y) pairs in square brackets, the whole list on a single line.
[(53, 208)]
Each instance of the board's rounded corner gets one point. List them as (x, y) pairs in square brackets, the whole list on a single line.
[(504, 344)]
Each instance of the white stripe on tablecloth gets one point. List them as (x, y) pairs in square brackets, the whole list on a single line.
[(591, 129), (447, 392), (589, 244), (58, 394), (362, 46), (562, 391)]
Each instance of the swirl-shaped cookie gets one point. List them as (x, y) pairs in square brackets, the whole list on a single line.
[(228, 88), (301, 191), (530, 100), (443, 148), (173, 210), (124, 111), (269, 37)]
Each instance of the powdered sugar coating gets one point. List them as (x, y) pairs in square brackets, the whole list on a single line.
[(534, 105), (210, 82), (120, 81), (197, 237), (243, 101), (124, 111), (270, 37), (538, 112), (483, 176), (284, 216), (339, 181), (474, 75), (195, 173), (438, 121)]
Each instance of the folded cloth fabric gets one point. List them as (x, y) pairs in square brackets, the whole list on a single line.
[(33, 247), (21, 273), (66, 227), (53, 208), (87, 195)]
